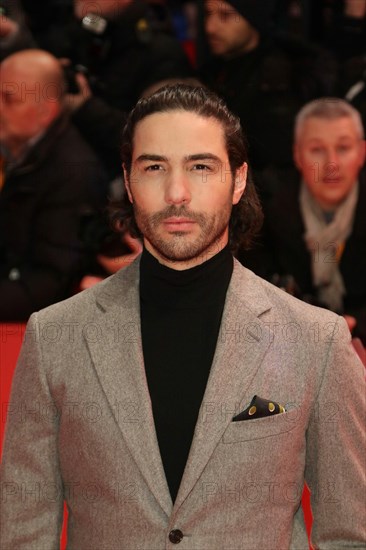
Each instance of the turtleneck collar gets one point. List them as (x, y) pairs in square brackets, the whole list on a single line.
[(203, 285)]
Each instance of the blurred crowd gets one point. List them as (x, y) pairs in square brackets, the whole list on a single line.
[(294, 71)]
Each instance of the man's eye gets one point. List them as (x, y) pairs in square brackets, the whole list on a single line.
[(316, 150), (227, 15), (152, 168), (201, 167), (10, 99)]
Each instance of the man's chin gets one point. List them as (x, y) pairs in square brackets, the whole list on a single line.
[(217, 50), (182, 251), (176, 253)]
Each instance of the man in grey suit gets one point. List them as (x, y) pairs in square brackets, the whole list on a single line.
[(184, 401)]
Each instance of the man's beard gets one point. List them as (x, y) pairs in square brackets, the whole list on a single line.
[(180, 247)]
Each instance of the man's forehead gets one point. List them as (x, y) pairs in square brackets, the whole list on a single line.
[(219, 5), (20, 84), (179, 131), (329, 129), (184, 120), (15, 71), (96, 7)]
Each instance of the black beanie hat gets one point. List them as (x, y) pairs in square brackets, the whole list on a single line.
[(259, 13)]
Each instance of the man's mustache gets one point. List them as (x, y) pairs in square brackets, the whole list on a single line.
[(173, 211)]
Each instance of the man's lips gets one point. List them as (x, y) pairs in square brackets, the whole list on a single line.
[(214, 41), (332, 180), (178, 223)]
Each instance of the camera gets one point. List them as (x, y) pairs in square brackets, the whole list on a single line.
[(95, 39), (94, 23), (70, 72)]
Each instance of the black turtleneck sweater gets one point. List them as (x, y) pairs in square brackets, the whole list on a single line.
[(180, 320)]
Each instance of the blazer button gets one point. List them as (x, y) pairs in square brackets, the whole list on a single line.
[(175, 536)]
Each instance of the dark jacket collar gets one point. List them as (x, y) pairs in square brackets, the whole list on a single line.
[(40, 151)]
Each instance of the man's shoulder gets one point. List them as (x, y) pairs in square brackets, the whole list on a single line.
[(61, 146), (72, 143), (259, 296), (119, 291), (70, 166)]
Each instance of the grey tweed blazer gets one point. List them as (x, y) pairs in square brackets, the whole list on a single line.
[(80, 429)]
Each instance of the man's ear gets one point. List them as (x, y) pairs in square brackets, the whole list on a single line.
[(48, 111), (127, 183), (362, 153), (240, 182)]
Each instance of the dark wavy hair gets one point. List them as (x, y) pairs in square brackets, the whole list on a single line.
[(246, 217)]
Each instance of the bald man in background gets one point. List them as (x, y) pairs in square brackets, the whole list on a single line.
[(51, 180)]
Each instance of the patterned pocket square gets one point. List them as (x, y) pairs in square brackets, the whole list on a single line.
[(259, 408)]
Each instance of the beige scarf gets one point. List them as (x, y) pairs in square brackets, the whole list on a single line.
[(326, 241)]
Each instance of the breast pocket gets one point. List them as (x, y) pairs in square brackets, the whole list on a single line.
[(249, 430)]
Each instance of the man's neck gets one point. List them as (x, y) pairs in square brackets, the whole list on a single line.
[(17, 151)]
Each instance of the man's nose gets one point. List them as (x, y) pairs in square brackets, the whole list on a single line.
[(210, 24), (332, 160), (332, 156), (177, 189)]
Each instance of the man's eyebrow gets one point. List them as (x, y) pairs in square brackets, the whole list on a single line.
[(203, 156), (315, 140), (187, 158), (346, 136), (150, 157)]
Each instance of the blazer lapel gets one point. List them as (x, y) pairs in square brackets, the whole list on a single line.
[(242, 344), (118, 360)]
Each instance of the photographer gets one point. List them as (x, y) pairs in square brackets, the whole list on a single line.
[(116, 53)]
